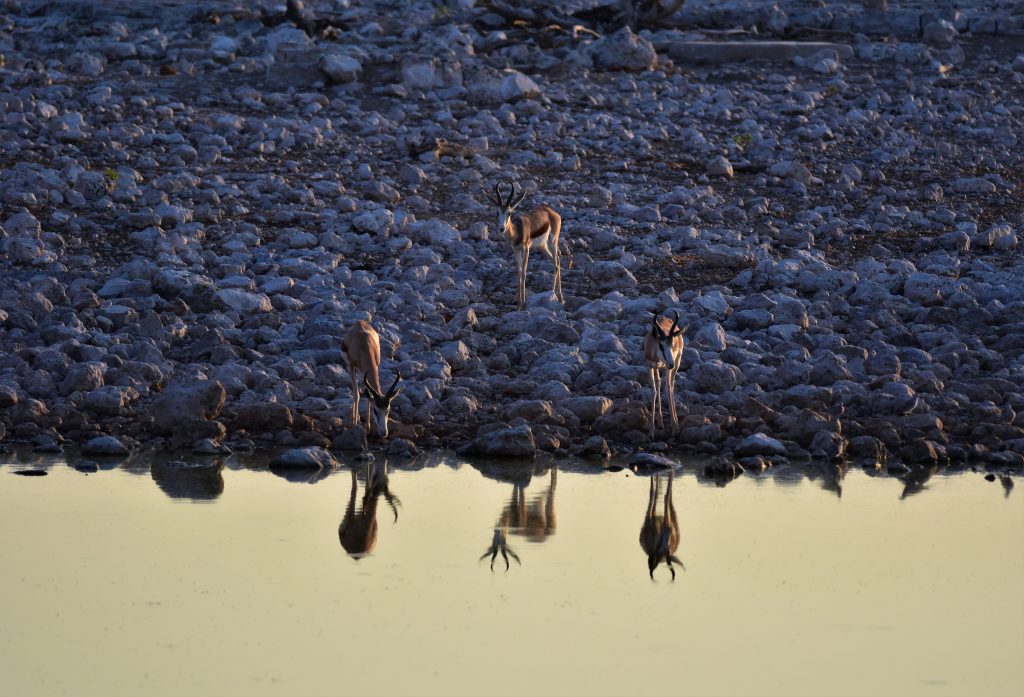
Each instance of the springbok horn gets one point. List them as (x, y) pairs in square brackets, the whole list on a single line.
[(487, 194), (656, 328), (520, 199), (511, 196), (672, 331), (369, 388), (392, 390)]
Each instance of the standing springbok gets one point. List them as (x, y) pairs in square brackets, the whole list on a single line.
[(663, 350), (540, 227), (361, 346), (659, 535)]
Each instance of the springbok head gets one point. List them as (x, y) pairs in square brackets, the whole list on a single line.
[(505, 206), (666, 339), (381, 403)]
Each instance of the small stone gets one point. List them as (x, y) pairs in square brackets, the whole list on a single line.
[(719, 167), (105, 445), (516, 86)]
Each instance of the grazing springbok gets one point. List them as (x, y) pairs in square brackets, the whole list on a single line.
[(361, 346), (663, 350), (534, 519), (358, 529), (540, 227), (659, 535)]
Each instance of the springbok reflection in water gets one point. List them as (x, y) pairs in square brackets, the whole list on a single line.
[(659, 535), (533, 518), (358, 529)]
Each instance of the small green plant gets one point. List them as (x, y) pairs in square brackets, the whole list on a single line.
[(831, 91), (111, 174), (742, 140), (442, 11)]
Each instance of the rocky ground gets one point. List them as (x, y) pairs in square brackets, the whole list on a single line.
[(196, 206)]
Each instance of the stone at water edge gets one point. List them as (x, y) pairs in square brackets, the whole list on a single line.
[(351, 439), (649, 462), (105, 445), (759, 444), (307, 457), (594, 448), (508, 442), (401, 447)]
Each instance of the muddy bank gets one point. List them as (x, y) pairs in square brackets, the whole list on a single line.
[(196, 207)]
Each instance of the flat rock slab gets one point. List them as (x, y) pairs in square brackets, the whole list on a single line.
[(735, 51)]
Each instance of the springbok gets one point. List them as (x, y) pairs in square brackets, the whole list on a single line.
[(534, 519), (361, 346), (663, 350), (540, 227), (358, 529), (659, 535)]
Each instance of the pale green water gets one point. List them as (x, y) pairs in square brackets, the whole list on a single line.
[(109, 586)]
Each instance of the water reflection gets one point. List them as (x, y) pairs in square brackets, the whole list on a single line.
[(914, 481), (358, 529), (532, 517), (195, 481), (659, 535), (831, 474), (1007, 485)]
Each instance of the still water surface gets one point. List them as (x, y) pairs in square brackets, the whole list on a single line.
[(237, 581)]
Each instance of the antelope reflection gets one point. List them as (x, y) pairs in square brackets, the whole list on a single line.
[(659, 535), (533, 518), (358, 529)]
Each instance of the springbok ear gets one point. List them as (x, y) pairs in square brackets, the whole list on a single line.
[(396, 393), (679, 331)]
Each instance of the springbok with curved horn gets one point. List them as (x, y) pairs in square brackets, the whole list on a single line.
[(663, 350), (361, 346), (540, 227), (659, 535)]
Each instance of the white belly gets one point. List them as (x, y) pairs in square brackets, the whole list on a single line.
[(541, 241)]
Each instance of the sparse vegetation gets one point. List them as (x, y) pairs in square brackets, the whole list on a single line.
[(742, 140)]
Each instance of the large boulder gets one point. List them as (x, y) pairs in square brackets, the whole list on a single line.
[(187, 412), (510, 442), (759, 444), (586, 409), (623, 50), (110, 446), (263, 416)]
